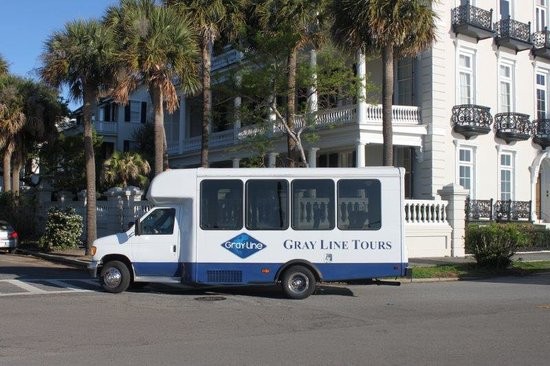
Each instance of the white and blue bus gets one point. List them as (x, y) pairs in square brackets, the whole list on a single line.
[(294, 227)]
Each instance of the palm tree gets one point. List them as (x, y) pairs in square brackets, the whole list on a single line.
[(80, 58), (12, 120), (42, 109), (156, 48), (123, 168), (394, 28), (3, 66), (211, 18), (297, 23)]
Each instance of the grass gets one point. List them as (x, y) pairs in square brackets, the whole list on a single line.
[(464, 270)]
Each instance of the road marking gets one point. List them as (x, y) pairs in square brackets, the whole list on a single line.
[(31, 286)]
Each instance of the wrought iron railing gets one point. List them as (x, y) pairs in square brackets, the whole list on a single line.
[(510, 28), (468, 14), (513, 126), (541, 39), (500, 211), (541, 132), (472, 116)]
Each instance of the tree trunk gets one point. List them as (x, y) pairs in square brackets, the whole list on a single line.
[(291, 106), (160, 148), (16, 167), (387, 95), (206, 101), (6, 165), (91, 211)]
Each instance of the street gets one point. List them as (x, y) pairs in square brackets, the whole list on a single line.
[(494, 321)]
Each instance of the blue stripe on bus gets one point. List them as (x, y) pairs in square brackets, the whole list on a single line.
[(243, 273), (220, 273)]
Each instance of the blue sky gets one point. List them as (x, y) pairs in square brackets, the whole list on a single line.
[(26, 24)]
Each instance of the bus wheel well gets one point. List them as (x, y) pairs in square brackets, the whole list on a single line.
[(120, 258), (299, 262)]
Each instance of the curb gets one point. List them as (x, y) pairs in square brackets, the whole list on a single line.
[(56, 258)]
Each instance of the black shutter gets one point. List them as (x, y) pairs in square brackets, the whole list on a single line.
[(127, 112), (143, 112)]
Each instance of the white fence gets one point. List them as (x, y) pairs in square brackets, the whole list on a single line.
[(112, 216), (427, 230)]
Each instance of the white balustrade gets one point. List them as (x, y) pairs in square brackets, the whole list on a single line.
[(106, 128), (425, 212)]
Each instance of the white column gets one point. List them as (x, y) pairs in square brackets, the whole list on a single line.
[(360, 154), (312, 157), (237, 106), (455, 195), (362, 89), (236, 163), (272, 160), (313, 97)]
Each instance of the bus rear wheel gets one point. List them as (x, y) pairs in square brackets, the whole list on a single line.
[(298, 282)]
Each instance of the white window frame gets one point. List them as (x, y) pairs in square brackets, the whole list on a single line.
[(511, 168), (541, 15), (510, 80), (471, 164), (471, 71), (545, 73)]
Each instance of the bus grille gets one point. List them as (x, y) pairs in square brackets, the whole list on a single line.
[(225, 276)]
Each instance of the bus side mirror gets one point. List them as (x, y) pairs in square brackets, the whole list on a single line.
[(137, 227)]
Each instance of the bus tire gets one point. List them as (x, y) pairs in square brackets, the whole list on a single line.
[(298, 282), (115, 277)]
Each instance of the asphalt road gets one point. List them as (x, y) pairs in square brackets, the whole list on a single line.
[(503, 321)]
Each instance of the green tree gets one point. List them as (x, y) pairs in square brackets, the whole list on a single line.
[(63, 161), (295, 24), (3, 66), (211, 18), (124, 168), (156, 46), (393, 28), (12, 120), (43, 109), (80, 56)]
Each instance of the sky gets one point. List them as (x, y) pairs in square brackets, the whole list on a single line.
[(26, 24)]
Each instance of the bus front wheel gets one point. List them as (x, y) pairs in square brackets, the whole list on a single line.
[(115, 277), (298, 282)]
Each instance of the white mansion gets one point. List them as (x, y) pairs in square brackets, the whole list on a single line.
[(473, 110)]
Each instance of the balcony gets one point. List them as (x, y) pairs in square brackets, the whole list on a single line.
[(541, 44), (500, 211), (541, 132), (472, 21), (402, 117), (513, 34), (512, 126), (471, 120), (105, 128)]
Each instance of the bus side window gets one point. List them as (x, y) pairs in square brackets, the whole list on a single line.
[(312, 204), (266, 204), (221, 204), (359, 205)]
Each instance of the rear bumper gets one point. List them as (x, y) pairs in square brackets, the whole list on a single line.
[(8, 243)]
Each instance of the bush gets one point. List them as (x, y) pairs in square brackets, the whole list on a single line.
[(63, 230), (494, 245)]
